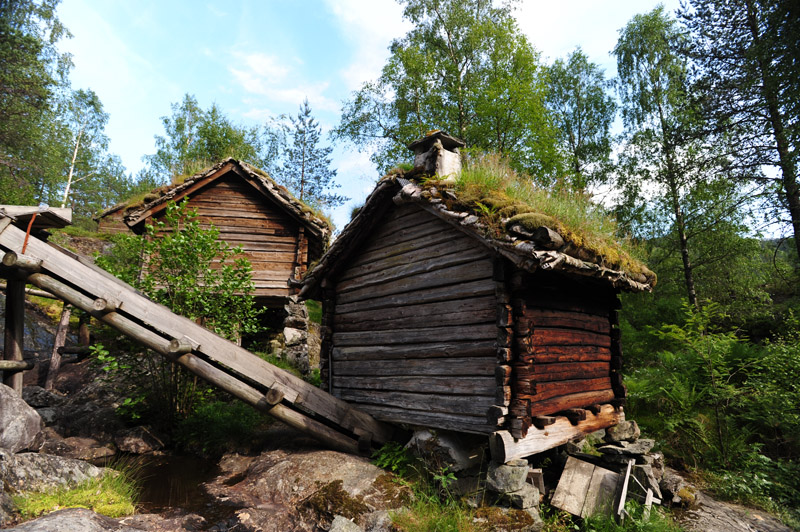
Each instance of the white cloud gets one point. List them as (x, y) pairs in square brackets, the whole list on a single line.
[(556, 29)]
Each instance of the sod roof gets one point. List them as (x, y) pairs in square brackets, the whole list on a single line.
[(530, 239)]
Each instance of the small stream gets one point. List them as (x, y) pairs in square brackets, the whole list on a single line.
[(175, 481)]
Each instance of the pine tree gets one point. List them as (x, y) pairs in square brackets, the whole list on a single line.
[(306, 169)]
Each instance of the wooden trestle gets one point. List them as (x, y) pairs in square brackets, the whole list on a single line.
[(76, 280)]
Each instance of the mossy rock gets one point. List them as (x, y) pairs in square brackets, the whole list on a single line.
[(531, 221), (331, 499)]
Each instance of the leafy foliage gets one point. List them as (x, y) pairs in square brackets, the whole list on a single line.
[(306, 165), (196, 139), (583, 112), (183, 266), (464, 68)]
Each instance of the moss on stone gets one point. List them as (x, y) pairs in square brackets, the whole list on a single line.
[(504, 518), (331, 499)]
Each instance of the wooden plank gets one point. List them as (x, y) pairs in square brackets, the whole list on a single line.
[(455, 404), (553, 354), (547, 390), (436, 245), (460, 385), (575, 400), (432, 350), (601, 493), (405, 244), (548, 337), (425, 418), (425, 265), (251, 367), (480, 287), (570, 494), (476, 366), (572, 320), (14, 336), (454, 275), (563, 371), (417, 335), (462, 311), (505, 448)]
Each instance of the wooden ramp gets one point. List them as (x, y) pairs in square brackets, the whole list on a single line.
[(76, 280)]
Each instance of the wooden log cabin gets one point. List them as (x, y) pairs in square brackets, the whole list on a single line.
[(279, 234), (432, 318)]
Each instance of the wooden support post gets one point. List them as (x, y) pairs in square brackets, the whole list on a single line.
[(58, 343), (14, 331)]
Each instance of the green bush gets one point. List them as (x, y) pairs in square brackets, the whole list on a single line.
[(183, 266), (726, 406)]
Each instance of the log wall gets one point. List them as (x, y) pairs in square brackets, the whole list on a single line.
[(269, 239), (565, 338), (113, 223), (410, 328)]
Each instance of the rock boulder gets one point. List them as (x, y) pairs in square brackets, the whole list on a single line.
[(19, 423)]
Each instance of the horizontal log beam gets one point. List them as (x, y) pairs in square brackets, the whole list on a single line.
[(504, 447)]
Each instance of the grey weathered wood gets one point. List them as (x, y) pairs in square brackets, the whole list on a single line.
[(461, 312), (422, 267), (32, 292), (418, 335), (14, 328), (12, 366), (504, 447), (480, 287), (475, 366), (443, 420), (453, 275), (58, 343), (570, 494), (601, 493), (429, 247), (18, 260), (476, 406), (405, 241), (429, 350), (464, 385), (215, 348)]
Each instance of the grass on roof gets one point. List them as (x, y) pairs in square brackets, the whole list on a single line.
[(491, 188)]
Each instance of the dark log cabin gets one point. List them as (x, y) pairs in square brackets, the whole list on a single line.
[(278, 234), (431, 318)]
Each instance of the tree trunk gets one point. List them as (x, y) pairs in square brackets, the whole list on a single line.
[(60, 339), (785, 160), (683, 242)]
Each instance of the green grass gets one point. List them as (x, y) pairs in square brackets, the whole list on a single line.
[(314, 310), (660, 520), (495, 191), (113, 494)]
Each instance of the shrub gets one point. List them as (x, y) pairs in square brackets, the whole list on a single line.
[(183, 266)]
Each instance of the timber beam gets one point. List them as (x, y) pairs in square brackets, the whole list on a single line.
[(505, 447)]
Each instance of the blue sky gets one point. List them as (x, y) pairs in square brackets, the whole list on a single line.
[(257, 59)]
